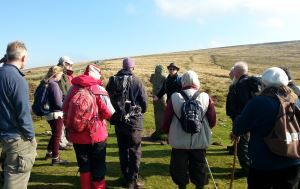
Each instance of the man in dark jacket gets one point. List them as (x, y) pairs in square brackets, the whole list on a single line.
[(128, 120), (241, 94), (17, 137), (171, 85)]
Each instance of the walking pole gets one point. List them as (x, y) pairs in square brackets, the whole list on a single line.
[(233, 165), (211, 174)]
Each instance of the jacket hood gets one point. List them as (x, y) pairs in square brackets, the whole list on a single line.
[(124, 72), (86, 81)]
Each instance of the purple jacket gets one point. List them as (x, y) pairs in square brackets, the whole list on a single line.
[(55, 96)]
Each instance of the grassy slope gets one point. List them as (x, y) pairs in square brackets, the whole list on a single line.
[(212, 66)]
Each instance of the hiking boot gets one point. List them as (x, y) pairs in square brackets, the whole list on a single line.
[(48, 156), (70, 144), (139, 184), (65, 147), (240, 174), (59, 161)]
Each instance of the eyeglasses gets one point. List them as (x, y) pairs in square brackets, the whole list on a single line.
[(171, 69)]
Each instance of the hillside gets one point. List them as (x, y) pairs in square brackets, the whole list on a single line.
[(212, 65)]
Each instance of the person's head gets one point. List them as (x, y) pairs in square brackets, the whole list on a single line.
[(190, 79), (16, 54), (274, 77), (94, 71), (159, 69), (173, 69), (66, 63), (128, 64), (54, 72), (240, 68)]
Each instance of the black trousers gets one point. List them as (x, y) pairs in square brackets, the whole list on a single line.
[(91, 158), (188, 164), (280, 179), (130, 153)]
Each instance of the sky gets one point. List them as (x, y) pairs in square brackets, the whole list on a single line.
[(102, 29)]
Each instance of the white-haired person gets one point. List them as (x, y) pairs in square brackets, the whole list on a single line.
[(267, 170), (241, 94), (189, 150)]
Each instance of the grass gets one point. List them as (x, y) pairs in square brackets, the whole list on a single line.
[(212, 66), (154, 165)]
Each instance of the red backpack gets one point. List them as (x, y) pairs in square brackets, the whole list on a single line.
[(81, 112)]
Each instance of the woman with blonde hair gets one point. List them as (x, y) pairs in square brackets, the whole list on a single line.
[(55, 117)]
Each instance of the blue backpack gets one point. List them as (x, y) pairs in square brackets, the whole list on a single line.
[(192, 114), (40, 106)]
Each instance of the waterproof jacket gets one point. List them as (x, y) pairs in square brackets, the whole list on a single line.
[(170, 86), (137, 94), (180, 139), (15, 116), (98, 133), (259, 117)]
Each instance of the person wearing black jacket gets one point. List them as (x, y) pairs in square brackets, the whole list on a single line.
[(171, 84), (129, 129), (241, 95)]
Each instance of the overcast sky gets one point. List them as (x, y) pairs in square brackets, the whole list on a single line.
[(99, 29)]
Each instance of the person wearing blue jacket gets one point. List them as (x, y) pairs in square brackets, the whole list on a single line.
[(17, 135), (267, 170)]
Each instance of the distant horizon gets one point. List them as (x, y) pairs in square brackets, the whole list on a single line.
[(97, 30), (135, 56)]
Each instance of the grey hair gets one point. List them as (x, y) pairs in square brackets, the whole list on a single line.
[(241, 67), (15, 50)]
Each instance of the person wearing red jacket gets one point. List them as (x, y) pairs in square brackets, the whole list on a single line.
[(90, 148)]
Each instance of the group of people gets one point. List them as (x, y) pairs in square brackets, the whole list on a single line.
[(254, 117), (123, 102)]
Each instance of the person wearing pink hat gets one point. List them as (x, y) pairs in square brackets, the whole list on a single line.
[(90, 145)]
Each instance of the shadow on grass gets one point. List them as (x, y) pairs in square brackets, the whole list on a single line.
[(53, 181)]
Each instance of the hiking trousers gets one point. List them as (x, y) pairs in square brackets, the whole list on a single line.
[(130, 153), (287, 178), (56, 129), (18, 161), (91, 158), (242, 152), (189, 164)]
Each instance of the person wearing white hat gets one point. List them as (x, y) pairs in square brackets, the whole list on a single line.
[(267, 170), (65, 83)]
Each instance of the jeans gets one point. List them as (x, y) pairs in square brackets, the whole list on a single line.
[(19, 158)]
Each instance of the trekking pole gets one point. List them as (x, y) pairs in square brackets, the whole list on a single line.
[(233, 165), (211, 174)]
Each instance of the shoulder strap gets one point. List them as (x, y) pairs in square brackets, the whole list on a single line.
[(195, 96), (186, 98)]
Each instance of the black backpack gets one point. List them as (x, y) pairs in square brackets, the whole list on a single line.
[(192, 114), (120, 91), (40, 106), (254, 84)]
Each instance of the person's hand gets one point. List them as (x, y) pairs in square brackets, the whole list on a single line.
[(155, 98), (233, 137)]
